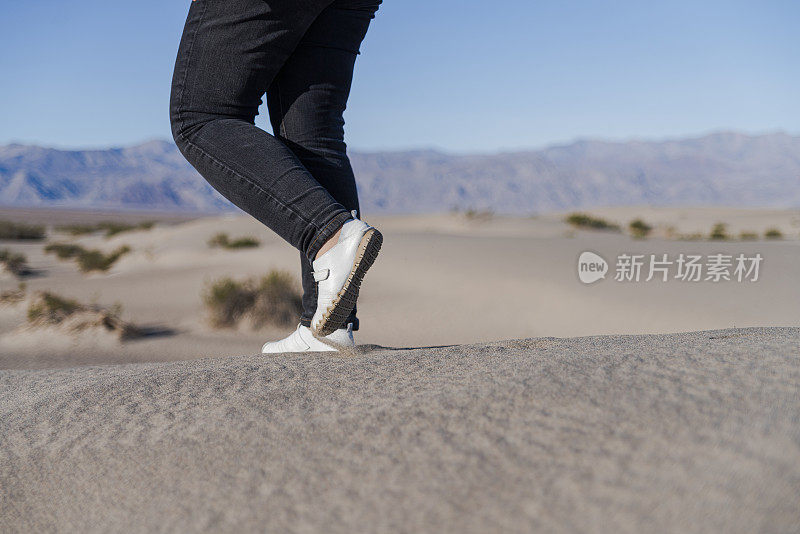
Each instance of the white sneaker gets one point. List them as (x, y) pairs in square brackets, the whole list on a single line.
[(302, 340), (339, 272)]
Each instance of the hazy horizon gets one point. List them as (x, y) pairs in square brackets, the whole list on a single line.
[(431, 148)]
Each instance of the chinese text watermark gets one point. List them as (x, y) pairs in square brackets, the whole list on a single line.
[(663, 267)]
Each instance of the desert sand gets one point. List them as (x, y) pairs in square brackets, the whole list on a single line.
[(440, 279), (469, 405), (658, 433)]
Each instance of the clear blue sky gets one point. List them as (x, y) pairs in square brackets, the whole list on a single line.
[(458, 75)]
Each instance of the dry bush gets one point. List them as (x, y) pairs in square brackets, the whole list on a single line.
[(94, 260), (639, 229), (19, 231), (228, 301), (63, 251), (13, 296), (773, 233), (588, 222), (277, 301), (719, 232), (223, 241), (109, 228), (88, 260), (476, 215), (114, 228), (14, 262), (49, 309), (272, 300)]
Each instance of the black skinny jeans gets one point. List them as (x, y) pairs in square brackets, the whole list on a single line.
[(300, 53)]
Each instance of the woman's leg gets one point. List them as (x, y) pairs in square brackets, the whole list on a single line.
[(229, 54), (306, 102)]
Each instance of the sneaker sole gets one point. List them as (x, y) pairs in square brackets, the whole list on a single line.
[(336, 314)]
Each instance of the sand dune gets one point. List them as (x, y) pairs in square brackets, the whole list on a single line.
[(666, 433), (441, 279)]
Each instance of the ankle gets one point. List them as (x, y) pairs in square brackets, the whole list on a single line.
[(329, 243)]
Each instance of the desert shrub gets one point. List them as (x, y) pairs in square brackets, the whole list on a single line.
[(719, 232), (14, 262), (12, 296), (113, 228), (228, 301), (49, 309), (773, 233), (748, 236), (19, 231), (477, 215), (223, 241), (276, 302), (109, 228), (272, 300), (88, 260), (585, 221), (94, 260), (244, 242), (77, 229), (639, 228), (64, 251), (219, 240)]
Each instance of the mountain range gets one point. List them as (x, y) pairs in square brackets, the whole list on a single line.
[(727, 168)]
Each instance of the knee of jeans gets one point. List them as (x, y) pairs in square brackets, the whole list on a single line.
[(187, 116), (317, 143), (177, 133), (183, 123), (178, 125), (321, 133)]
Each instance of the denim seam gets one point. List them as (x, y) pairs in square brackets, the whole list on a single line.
[(282, 132), (186, 71)]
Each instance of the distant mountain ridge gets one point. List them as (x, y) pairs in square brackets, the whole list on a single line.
[(730, 169)]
